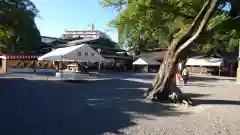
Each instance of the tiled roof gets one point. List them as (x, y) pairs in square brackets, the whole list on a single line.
[(155, 55)]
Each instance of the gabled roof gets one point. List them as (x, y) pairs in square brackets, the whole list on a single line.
[(81, 53), (82, 40), (93, 42), (154, 55), (145, 61)]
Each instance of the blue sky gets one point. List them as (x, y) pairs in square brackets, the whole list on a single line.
[(58, 15), (227, 7)]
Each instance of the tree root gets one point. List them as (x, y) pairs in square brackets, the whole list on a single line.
[(175, 96), (180, 99)]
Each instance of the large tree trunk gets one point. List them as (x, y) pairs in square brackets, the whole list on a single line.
[(164, 83)]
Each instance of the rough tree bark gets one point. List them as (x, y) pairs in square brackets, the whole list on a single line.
[(163, 84)]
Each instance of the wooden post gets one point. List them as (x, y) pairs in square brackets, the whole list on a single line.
[(200, 69), (219, 71), (99, 66), (4, 65), (238, 69), (231, 69), (34, 66)]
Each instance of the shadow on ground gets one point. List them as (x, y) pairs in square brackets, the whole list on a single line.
[(209, 78), (198, 84), (146, 76), (48, 107), (215, 102), (195, 95), (39, 107)]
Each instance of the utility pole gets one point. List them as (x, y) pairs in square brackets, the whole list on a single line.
[(238, 60)]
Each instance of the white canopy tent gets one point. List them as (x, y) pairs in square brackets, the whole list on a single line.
[(80, 53), (146, 61), (205, 61), (143, 61)]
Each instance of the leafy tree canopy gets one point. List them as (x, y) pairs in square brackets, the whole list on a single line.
[(18, 31), (144, 24)]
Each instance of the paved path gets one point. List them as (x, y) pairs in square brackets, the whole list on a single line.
[(32, 105)]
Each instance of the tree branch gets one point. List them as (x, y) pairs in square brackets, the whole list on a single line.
[(200, 28), (187, 33)]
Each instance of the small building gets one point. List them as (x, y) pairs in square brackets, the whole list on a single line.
[(158, 55), (89, 33), (215, 64), (107, 48), (144, 64), (12, 61)]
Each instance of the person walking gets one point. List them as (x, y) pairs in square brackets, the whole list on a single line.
[(185, 74)]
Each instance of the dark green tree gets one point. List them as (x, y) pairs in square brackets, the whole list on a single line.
[(18, 31)]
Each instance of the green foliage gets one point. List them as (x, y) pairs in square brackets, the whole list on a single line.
[(151, 24), (18, 31), (222, 34), (146, 24)]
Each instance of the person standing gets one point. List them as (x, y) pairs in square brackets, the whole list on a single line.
[(180, 66), (185, 74)]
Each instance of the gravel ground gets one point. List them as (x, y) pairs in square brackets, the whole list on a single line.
[(32, 105)]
